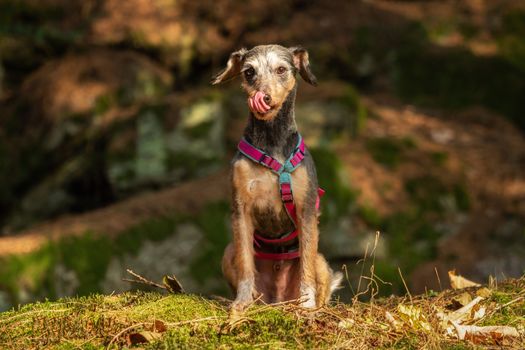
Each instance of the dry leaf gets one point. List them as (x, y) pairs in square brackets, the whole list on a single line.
[(397, 325), (480, 313), (159, 326), (464, 313), (462, 299), (413, 317), (172, 284), (142, 337), (479, 334), (346, 323), (460, 282), (484, 292)]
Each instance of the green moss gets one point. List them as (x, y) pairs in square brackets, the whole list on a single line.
[(29, 271), (88, 255), (389, 151), (213, 222), (194, 322), (369, 215), (199, 131), (512, 309), (411, 239), (426, 192), (155, 229), (103, 104), (511, 38), (439, 158), (408, 342), (331, 177), (98, 317), (352, 100), (461, 197)]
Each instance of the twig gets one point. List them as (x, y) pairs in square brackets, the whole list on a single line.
[(439, 279), (142, 280), (358, 293), (124, 331), (499, 307), (345, 269), (405, 284), (209, 318)]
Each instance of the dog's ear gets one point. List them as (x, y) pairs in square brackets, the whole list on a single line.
[(301, 62), (233, 68)]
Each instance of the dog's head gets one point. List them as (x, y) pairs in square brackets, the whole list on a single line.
[(268, 75)]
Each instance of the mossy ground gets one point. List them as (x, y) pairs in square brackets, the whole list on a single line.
[(106, 321)]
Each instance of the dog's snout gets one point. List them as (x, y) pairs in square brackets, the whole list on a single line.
[(267, 99)]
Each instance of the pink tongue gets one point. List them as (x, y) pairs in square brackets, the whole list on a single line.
[(257, 103)]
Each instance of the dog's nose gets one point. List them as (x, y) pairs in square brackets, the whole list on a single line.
[(267, 99)]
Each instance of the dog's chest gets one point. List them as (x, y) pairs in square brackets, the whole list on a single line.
[(258, 188)]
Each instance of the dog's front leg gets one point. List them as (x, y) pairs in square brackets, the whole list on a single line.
[(243, 260), (309, 239)]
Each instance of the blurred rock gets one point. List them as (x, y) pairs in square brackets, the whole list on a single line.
[(65, 281), (156, 259), (5, 303), (92, 83)]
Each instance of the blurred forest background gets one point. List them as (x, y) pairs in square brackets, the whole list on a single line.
[(114, 148)]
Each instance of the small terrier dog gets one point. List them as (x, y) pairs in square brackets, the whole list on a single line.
[(275, 213)]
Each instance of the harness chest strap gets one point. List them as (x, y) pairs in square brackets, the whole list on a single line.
[(285, 186)]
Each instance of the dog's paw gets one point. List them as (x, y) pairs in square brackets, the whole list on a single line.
[(238, 306), (309, 303), (307, 297)]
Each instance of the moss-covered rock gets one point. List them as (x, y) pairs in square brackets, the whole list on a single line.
[(79, 265)]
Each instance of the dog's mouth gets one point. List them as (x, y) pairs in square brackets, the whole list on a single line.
[(257, 103)]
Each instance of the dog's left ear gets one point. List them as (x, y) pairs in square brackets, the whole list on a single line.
[(233, 68), (301, 62)]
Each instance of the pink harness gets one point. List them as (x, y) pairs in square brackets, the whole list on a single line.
[(285, 186)]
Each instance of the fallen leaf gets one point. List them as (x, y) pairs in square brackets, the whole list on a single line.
[(480, 313), (464, 313), (413, 317), (479, 334), (172, 284), (159, 326), (460, 282), (346, 323), (142, 337), (484, 292), (462, 299)]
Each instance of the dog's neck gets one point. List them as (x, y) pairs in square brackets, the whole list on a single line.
[(277, 137)]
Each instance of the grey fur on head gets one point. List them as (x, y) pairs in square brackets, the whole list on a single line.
[(297, 57)]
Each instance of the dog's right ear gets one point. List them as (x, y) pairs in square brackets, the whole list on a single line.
[(233, 68)]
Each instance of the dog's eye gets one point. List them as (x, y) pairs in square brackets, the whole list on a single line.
[(281, 70), (249, 72)]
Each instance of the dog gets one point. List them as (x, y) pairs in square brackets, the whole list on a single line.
[(274, 254)]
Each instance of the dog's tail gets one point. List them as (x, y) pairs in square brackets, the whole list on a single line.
[(335, 283)]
